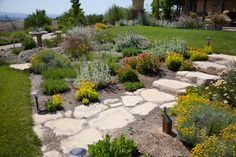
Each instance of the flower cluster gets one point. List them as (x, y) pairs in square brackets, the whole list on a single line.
[(199, 54), (100, 26)]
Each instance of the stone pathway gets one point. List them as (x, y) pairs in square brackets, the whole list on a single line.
[(62, 132)]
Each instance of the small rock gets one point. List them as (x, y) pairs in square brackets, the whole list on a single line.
[(143, 109), (110, 101), (167, 105), (20, 66), (116, 104), (68, 114), (131, 100), (139, 90)]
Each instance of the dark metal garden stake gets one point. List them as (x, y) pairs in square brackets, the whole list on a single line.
[(167, 123)]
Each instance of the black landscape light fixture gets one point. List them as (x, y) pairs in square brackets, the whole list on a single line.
[(78, 152), (35, 94), (209, 40)]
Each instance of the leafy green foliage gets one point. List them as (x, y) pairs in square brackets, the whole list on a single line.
[(16, 50), (59, 73), (53, 104), (28, 43), (93, 19), (86, 92), (187, 66), (128, 52), (127, 74), (50, 43), (37, 19), (116, 148), (174, 61), (54, 86), (18, 36), (46, 59), (133, 86)]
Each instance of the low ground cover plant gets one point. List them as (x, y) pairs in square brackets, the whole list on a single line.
[(54, 104), (127, 74), (187, 66), (131, 40), (50, 43), (59, 73), (174, 61), (128, 52), (86, 92), (46, 59), (54, 86), (116, 148), (199, 54), (133, 86)]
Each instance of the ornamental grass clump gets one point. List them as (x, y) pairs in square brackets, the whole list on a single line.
[(86, 92)]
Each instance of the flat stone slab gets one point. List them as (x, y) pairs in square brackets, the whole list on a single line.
[(167, 105), (156, 96), (52, 154), (88, 111), (116, 104), (209, 67), (38, 118), (39, 130), (65, 126), (170, 86), (20, 66), (85, 137), (227, 60), (198, 78), (112, 119), (143, 109), (131, 100), (110, 101)]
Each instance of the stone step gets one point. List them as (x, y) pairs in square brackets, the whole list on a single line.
[(171, 86), (227, 60), (198, 78), (209, 67)]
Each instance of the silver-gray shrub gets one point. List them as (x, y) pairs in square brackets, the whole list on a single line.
[(161, 47), (96, 71), (131, 40)]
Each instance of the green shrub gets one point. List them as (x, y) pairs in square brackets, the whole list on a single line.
[(5, 41), (131, 61), (96, 71), (46, 59), (86, 92), (174, 61), (127, 74), (198, 118), (16, 50), (133, 86), (147, 63), (51, 86), (28, 43), (131, 40), (199, 54), (112, 63), (187, 66), (127, 52), (50, 43), (118, 147), (18, 36), (53, 104), (59, 73)]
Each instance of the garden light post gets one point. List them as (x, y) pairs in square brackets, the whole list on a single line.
[(35, 95), (209, 40), (167, 123), (78, 152)]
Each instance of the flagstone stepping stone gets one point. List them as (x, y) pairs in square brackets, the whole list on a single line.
[(88, 111), (131, 100), (112, 119), (68, 114), (20, 66), (116, 104), (85, 137), (198, 78), (156, 96), (52, 154), (167, 105), (170, 86), (223, 59), (38, 118), (138, 91), (110, 101), (209, 67), (65, 126), (143, 109), (39, 130)]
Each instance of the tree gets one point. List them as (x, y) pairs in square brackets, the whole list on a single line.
[(155, 8), (37, 19), (166, 6), (77, 12)]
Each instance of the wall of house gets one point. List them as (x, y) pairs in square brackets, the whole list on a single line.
[(230, 5)]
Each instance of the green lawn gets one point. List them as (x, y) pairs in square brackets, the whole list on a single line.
[(223, 42), (17, 138)]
